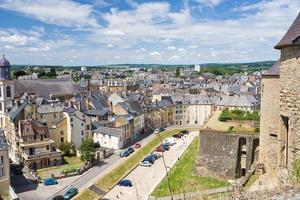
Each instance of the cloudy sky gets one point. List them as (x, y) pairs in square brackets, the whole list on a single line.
[(93, 32)]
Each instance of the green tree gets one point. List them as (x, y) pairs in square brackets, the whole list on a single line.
[(177, 72), (52, 72), (87, 150), (19, 73), (67, 149)]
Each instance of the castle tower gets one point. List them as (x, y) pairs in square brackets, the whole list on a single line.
[(280, 108), (6, 89)]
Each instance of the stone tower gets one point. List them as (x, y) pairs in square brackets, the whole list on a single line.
[(280, 108), (6, 89)]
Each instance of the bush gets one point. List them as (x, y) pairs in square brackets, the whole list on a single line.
[(296, 170), (256, 130), (67, 149), (238, 115)]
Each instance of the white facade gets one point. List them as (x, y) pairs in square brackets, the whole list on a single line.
[(78, 126), (197, 68), (6, 99), (108, 141)]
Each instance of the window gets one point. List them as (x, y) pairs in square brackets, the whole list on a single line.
[(1, 107), (0, 92), (41, 116), (54, 115), (62, 140), (61, 133), (1, 160), (71, 125), (47, 147), (8, 92), (81, 124), (88, 127), (82, 133), (71, 119), (2, 172)]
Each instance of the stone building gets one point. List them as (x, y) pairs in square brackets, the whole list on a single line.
[(280, 119), (226, 155)]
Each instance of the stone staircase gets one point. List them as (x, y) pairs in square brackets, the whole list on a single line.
[(97, 190)]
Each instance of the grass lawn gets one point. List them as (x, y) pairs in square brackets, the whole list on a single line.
[(181, 176), (111, 178), (69, 163)]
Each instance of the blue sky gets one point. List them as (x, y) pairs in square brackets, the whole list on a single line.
[(94, 32)]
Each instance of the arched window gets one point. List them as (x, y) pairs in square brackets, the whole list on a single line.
[(0, 92), (8, 92)]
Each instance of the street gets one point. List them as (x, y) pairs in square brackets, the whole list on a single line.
[(27, 189), (145, 179)]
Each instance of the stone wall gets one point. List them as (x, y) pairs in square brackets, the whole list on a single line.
[(269, 123), (225, 155), (290, 105)]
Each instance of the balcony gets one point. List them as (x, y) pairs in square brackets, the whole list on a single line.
[(40, 155)]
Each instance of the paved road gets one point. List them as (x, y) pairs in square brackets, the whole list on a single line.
[(28, 190), (145, 179)]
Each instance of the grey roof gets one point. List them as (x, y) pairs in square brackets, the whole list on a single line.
[(109, 131), (237, 101), (133, 107), (291, 36), (191, 99), (4, 62), (14, 112), (274, 70), (46, 88)]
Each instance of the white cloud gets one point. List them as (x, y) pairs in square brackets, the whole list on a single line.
[(171, 48), (182, 50), (156, 55), (209, 3), (59, 12), (193, 46), (110, 45), (143, 49)]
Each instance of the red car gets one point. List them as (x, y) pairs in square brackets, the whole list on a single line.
[(177, 135), (137, 145), (160, 149)]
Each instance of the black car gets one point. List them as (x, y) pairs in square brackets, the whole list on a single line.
[(130, 150), (185, 132), (58, 197), (162, 129)]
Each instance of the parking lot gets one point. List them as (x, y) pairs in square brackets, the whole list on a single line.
[(145, 179)]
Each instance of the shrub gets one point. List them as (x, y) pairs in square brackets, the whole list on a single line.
[(296, 170), (256, 130)]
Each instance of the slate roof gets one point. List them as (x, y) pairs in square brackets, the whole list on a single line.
[(291, 36), (191, 99), (109, 131), (133, 107), (45, 88), (237, 101), (15, 111), (4, 62), (274, 70)]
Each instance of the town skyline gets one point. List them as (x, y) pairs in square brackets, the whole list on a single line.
[(100, 32)]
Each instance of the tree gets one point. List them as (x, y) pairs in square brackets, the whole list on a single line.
[(177, 72), (19, 73), (87, 150), (52, 72), (67, 149)]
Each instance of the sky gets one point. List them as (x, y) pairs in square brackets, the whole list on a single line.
[(99, 32)]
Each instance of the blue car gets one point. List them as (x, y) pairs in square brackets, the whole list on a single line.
[(71, 193), (130, 150), (166, 147), (125, 182), (124, 154), (150, 159), (50, 181)]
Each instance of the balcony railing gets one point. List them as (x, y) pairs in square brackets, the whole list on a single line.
[(41, 155)]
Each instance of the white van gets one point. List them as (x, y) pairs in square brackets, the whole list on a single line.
[(170, 140)]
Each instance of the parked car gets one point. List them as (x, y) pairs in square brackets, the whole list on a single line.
[(130, 150), (149, 159), (124, 153), (184, 132), (125, 182), (160, 149), (145, 164), (50, 181), (137, 145), (171, 141), (177, 135), (166, 147), (71, 193), (162, 129), (157, 155), (58, 197), (156, 131)]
